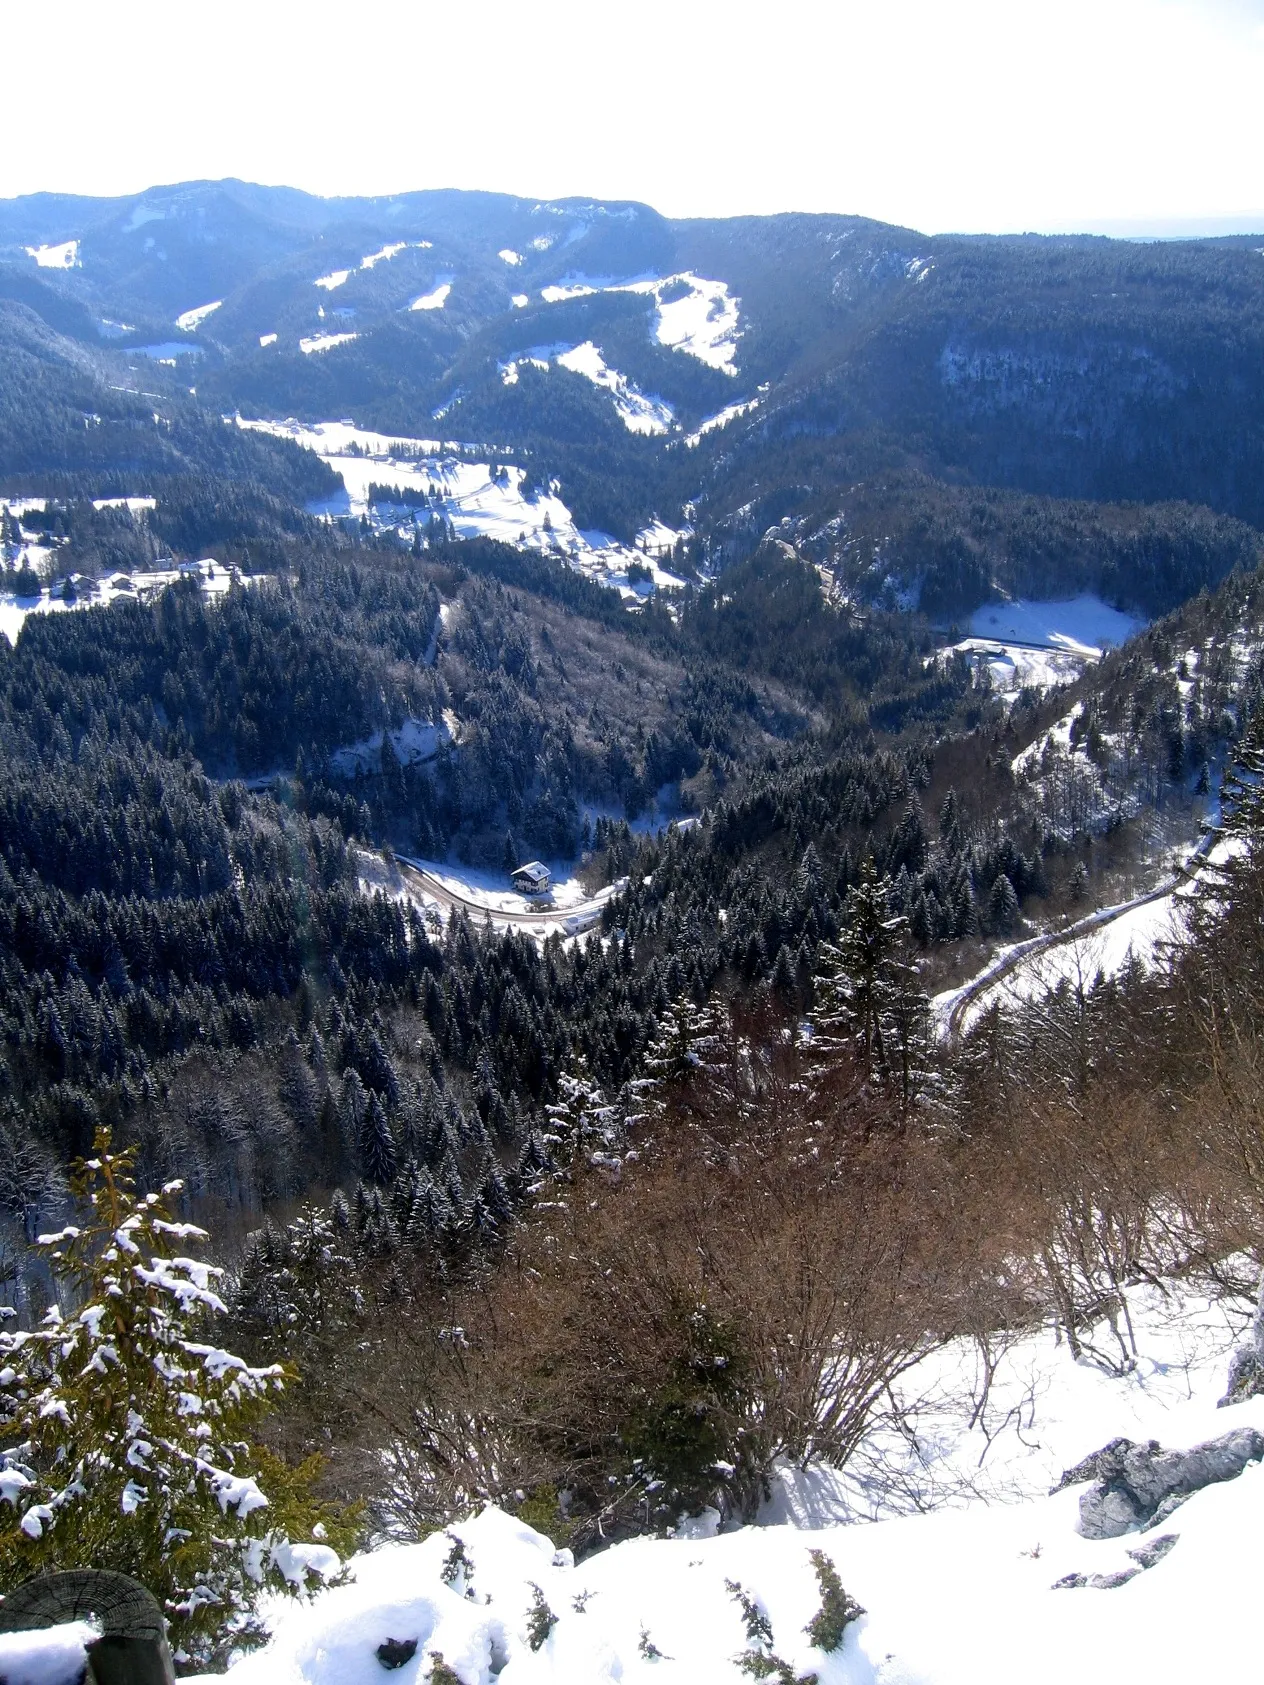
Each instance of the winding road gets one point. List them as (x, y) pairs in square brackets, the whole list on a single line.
[(955, 1004)]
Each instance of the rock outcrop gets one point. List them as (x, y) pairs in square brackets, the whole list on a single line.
[(1136, 1486)]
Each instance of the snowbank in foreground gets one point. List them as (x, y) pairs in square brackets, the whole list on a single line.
[(964, 1595)]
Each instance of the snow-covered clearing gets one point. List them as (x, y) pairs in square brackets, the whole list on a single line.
[(191, 319), (435, 299), (1083, 625), (694, 315), (135, 505), (385, 254), (324, 342), (413, 742), (440, 890), (507, 255), (480, 499), (266, 339), (1043, 644), (168, 352), (638, 413), (335, 278), (957, 1574), (64, 256), (112, 588)]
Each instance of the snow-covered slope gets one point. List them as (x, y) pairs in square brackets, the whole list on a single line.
[(1040, 645), (480, 499), (963, 1593)]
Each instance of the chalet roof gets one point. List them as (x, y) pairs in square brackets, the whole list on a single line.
[(534, 869)]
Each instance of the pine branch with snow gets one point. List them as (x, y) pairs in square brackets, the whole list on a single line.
[(126, 1428)]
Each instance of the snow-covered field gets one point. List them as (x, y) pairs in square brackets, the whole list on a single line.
[(1103, 943), (694, 315), (479, 498), (436, 298), (957, 1572), (721, 418), (638, 413), (190, 320), (64, 256), (440, 890), (112, 588), (1043, 644)]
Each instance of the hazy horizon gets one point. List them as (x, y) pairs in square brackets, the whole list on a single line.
[(1132, 117)]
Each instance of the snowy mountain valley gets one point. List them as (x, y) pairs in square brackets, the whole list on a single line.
[(631, 872)]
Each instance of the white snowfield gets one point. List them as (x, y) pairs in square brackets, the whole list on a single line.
[(1043, 644), (721, 418), (64, 256), (113, 588), (324, 342), (192, 319), (435, 299), (956, 1574), (702, 321), (638, 413), (480, 499)]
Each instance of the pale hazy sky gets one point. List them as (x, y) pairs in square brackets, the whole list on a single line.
[(1133, 115)]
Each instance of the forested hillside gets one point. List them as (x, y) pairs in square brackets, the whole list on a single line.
[(649, 548)]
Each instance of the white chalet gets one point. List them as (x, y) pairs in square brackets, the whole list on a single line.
[(531, 879)]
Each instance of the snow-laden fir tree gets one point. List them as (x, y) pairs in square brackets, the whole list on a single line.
[(581, 1119), (867, 996), (126, 1430)]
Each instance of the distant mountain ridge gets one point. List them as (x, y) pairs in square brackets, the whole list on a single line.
[(649, 363)]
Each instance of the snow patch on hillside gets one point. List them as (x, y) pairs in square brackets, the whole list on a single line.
[(511, 257), (637, 412), (319, 342), (385, 254), (188, 320), (1040, 645), (335, 278), (958, 1574), (433, 300), (479, 499), (1082, 625), (721, 418), (694, 315), (64, 256)]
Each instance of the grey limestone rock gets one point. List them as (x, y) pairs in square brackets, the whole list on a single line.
[(1137, 1485)]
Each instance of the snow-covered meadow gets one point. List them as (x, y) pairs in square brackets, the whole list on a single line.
[(480, 499), (1042, 644), (111, 588), (697, 316)]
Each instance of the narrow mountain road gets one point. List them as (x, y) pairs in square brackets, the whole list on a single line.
[(1010, 959), (570, 921)]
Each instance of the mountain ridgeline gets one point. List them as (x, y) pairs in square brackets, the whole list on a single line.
[(888, 373)]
